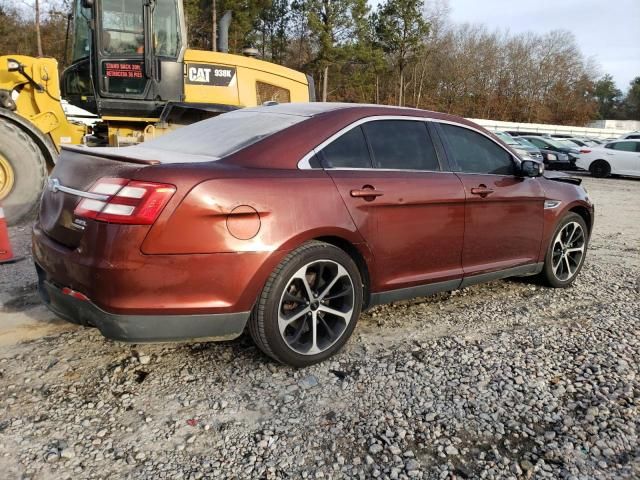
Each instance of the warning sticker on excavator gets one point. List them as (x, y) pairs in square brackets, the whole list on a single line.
[(123, 69), (215, 75)]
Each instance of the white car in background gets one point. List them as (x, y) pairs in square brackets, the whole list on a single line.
[(631, 136), (621, 157)]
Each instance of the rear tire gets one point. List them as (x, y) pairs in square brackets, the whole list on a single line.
[(23, 172), (600, 169), (309, 306), (566, 252)]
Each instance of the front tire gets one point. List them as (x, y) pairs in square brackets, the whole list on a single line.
[(600, 169), (23, 171), (566, 252), (309, 306)]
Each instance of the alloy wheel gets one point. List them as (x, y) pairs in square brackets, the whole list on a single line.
[(316, 307), (568, 251)]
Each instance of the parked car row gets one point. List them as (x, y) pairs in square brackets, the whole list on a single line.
[(552, 153), (601, 157)]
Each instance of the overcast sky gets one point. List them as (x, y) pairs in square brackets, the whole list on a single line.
[(607, 30)]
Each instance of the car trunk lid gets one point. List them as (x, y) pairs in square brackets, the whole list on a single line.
[(70, 181)]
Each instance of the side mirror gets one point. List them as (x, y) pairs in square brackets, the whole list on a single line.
[(531, 168), (87, 3)]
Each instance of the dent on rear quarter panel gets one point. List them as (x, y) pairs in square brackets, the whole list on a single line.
[(292, 206)]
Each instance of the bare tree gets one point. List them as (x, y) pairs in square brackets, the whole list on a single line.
[(214, 26), (38, 37)]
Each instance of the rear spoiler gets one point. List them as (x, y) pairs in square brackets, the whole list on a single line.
[(140, 154), (108, 152)]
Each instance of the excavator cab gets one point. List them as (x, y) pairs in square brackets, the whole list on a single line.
[(127, 56), (130, 67)]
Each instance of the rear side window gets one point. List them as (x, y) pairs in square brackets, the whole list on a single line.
[(624, 146), (475, 153), (348, 151), (401, 144)]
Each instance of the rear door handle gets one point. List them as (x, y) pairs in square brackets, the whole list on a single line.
[(481, 190), (366, 192)]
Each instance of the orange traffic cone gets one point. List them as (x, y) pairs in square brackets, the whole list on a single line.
[(6, 253)]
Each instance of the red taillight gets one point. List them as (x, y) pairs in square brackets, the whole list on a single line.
[(584, 150), (128, 201)]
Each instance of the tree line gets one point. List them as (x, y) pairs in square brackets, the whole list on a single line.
[(402, 52)]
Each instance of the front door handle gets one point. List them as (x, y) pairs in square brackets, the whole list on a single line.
[(481, 190), (366, 192)]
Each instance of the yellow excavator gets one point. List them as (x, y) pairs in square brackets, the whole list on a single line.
[(132, 69)]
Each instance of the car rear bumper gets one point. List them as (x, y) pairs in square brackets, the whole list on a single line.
[(141, 328), (134, 297)]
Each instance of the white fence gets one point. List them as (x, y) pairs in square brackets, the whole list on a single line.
[(550, 129)]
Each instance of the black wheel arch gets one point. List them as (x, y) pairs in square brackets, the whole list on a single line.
[(602, 160), (586, 216), (357, 256)]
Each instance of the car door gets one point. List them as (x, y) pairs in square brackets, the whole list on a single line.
[(410, 211), (504, 212), (623, 157)]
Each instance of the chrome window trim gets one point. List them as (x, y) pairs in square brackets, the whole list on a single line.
[(304, 162), (362, 169)]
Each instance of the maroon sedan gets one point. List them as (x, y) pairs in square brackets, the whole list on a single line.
[(291, 219)]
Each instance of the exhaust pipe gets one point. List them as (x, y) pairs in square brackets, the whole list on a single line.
[(223, 32)]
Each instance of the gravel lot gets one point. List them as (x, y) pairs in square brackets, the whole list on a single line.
[(505, 380)]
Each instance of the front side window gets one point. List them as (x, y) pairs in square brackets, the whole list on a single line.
[(624, 146), (77, 80), (81, 32), (166, 36), (122, 27), (265, 92), (347, 151), (475, 153), (401, 145)]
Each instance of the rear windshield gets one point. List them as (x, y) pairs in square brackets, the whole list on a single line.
[(222, 135)]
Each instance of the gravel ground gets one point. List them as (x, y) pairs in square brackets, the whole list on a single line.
[(504, 380)]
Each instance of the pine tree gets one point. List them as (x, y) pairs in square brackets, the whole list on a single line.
[(330, 26), (401, 29)]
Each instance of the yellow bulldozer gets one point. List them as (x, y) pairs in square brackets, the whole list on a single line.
[(132, 69)]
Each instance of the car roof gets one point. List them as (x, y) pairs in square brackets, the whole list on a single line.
[(312, 109), (322, 120)]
